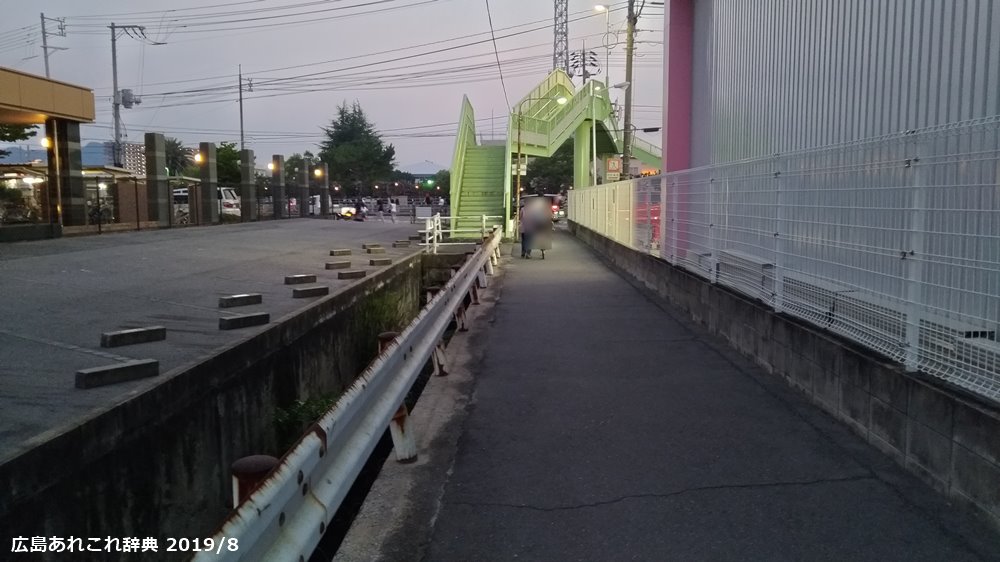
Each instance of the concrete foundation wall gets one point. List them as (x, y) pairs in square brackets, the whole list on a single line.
[(948, 438), (158, 464)]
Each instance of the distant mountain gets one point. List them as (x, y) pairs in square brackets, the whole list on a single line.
[(22, 155), (92, 154)]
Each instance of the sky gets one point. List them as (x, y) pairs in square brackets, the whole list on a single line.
[(407, 62)]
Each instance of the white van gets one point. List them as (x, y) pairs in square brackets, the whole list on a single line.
[(229, 202)]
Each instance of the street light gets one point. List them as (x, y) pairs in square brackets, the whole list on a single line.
[(593, 121), (318, 172), (561, 100), (270, 166), (198, 157), (607, 40), (46, 142)]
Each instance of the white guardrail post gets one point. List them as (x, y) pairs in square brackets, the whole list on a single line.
[(429, 233), (285, 515)]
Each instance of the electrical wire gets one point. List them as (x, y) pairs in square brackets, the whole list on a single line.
[(499, 67)]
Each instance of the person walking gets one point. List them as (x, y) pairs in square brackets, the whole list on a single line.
[(380, 209), (392, 210), (525, 229)]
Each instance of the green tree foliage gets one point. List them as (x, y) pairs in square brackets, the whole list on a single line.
[(178, 157), (295, 164), (227, 158), (403, 177), (354, 150), (442, 179), (15, 133), (551, 175)]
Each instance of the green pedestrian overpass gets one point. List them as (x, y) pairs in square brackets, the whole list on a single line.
[(551, 114)]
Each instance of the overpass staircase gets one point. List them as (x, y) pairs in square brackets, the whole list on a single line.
[(482, 174)]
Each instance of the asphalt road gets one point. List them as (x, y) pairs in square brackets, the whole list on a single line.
[(58, 296), (605, 428)]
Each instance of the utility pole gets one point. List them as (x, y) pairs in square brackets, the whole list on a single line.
[(583, 60), (242, 145), (45, 40), (629, 48), (116, 97)]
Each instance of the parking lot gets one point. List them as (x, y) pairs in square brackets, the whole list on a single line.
[(60, 295)]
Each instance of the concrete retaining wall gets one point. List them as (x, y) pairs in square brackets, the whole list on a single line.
[(947, 437), (158, 464)]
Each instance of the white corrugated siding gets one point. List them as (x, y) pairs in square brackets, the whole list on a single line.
[(786, 75)]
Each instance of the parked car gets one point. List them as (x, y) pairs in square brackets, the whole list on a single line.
[(229, 201)]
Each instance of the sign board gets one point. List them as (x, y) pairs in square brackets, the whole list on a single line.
[(614, 169), (514, 170)]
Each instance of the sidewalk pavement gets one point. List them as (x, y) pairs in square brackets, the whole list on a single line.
[(605, 428)]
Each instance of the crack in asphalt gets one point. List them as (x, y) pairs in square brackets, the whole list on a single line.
[(620, 499)]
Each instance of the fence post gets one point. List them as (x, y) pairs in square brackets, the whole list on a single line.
[(915, 255), (248, 472), (780, 236), (713, 246), (483, 228), (674, 227), (437, 231), (428, 232), (404, 445)]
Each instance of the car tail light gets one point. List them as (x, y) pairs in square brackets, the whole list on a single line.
[(555, 207), (228, 205)]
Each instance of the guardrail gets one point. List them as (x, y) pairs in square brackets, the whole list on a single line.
[(435, 228), (286, 515)]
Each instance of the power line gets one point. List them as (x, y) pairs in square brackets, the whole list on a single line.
[(586, 14), (499, 68), (208, 26)]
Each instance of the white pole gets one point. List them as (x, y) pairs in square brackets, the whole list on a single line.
[(593, 121)]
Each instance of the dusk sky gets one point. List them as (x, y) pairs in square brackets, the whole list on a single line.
[(407, 62)]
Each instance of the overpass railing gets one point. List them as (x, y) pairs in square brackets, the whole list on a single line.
[(892, 242)]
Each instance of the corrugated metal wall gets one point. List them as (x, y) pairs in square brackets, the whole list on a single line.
[(792, 74)]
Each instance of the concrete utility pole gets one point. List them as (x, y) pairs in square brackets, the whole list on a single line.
[(629, 48), (116, 97), (242, 144), (45, 40)]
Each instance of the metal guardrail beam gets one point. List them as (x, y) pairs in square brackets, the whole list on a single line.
[(287, 515)]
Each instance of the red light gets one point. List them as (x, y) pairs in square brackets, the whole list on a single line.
[(228, 204), (555, 207)]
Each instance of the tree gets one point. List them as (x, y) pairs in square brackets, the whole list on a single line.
[(178, 157), (551, 175), (295, 164), (353, 150), (14, 133), (402, 177), (442, 179), (227, 161)]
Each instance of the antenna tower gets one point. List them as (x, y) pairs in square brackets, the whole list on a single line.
[(560, 47)]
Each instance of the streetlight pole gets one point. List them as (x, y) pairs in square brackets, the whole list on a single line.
[(593, 140), (607, 41), (517, 166), (517, 170)]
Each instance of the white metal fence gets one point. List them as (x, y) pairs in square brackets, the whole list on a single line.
[(893, 242)]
